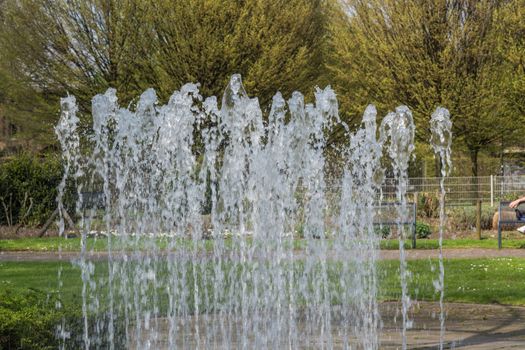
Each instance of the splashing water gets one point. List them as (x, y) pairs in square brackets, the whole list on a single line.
[(441, 141), (66, 131), (398, 130), (224, 228)]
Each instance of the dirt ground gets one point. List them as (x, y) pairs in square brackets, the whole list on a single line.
[(8, 232)]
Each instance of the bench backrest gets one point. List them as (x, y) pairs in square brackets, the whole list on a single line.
[(387, 213)]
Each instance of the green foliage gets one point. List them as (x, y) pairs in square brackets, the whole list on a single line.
[(26, 179), (49, 48), (383, 231), (428, 204), (511, 25), (510, 196), (429, 53), (274, 45), (464, 218), (28, 320), (299, 230), (422, 230)]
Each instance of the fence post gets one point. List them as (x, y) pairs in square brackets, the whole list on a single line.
[(491, 191), (414, 227), (478, 218), (499, 226)]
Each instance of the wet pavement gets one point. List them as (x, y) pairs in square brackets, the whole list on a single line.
[(468, 326)]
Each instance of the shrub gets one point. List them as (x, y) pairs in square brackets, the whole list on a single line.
[(510, 196), (464, 218), (25, 179), (428, 204), (383, 231), (422, 230), (28, 320)]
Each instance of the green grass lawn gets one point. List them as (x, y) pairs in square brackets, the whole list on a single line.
[(29, 292), (73, 244), (52, 244), (488, 243), (498, 280), (42, 276), (483, 281)]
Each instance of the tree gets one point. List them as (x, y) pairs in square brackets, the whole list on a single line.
[(424, 54), (274, 45), (82, 47), (77, 46), (21, 105), (511, 27)]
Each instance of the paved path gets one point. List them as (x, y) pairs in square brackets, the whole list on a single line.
[(456, 253), (468, 327)]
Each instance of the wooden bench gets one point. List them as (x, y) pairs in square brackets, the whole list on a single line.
[(504, 207), (386, 214)]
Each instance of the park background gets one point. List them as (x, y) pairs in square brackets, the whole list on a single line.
[(465, 55), (468, 56)]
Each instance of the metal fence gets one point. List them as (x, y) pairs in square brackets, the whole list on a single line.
[(464, 190)]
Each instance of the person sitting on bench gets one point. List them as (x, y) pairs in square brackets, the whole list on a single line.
[(519, 215)]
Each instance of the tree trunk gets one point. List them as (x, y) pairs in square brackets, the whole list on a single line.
[(501, 159), (474, 161), (48, 223), (437, 167), (474, 167)]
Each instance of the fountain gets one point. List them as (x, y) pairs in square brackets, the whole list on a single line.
[(441, 140), (223, 227), (398, 128)]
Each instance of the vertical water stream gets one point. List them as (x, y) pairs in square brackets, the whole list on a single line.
[(222, 226)]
